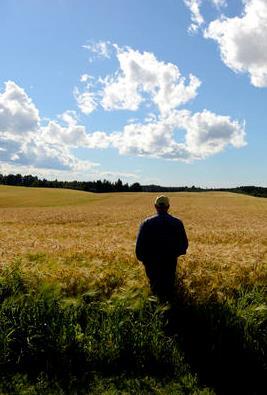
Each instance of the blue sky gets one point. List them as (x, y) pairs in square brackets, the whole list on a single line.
[(169, 92)]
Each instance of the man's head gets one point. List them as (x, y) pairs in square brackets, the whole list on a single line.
[(162, 204)]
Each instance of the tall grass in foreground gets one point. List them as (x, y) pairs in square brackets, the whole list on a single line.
[(102, 345), (76, 316)]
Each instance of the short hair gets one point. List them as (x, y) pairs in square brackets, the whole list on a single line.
[(162, 201)]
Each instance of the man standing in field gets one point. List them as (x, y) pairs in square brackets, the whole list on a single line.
[(160, 241)]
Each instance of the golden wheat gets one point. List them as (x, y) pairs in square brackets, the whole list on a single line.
[(90, 240)]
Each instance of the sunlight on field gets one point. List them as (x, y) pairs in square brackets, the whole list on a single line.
[(40, 197), (82, 245)]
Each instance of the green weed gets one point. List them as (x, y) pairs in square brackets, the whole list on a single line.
[(97, 344)]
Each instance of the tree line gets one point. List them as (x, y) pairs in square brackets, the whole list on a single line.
[(100, 186), (89, 186)]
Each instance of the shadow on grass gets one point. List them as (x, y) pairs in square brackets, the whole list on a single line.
[(224, 343), (94, 343)]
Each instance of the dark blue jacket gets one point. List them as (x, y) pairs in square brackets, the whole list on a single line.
[(161, 237)]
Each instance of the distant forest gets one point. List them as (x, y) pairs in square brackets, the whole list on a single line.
[(101, 186)]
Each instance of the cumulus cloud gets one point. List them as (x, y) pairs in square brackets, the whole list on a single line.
[(64, 175), (85, 77), (166, 131), (18, 115), (69, 117), (140, 79), (219, 3), (9, 147), (152, 139), (197, 19), (143, 78), (35, 152), (119, 94), (200, 135), (100, 49), (196, 16), (49, 156), (73, 135), (243, 41), (86, 100), (23, 141), (208, 133)]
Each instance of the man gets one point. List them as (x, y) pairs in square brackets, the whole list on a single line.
[(161, 239)]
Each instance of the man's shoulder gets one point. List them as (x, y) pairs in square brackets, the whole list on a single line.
[(150, 219), (174, 219), (159, 218)]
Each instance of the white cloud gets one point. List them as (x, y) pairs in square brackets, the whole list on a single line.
[(36, 151), (17, 112), (93, 173), (196, 16), (49, 156), (165, 132), (200, 135), (64, 175), (243, 41), (9, 146), (99, 140), (114, 175), (152, 139), (120, 94), (219, 3), (100, 49), (69, 117), (208, 133), (24, 142), (85, 77), (86, 100), (73, 135), (143, 78), (140, 79)]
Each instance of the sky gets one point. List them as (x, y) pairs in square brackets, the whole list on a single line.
[(167, 92)]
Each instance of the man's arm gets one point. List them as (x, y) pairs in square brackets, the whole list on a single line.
[(140, 243), (182, 240)]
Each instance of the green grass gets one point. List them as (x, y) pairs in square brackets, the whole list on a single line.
[(11, 196), (92, 344)]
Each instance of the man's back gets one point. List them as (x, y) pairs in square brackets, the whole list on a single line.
[(161, 239), (161, 236)]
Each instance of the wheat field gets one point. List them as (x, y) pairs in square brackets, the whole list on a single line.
[(82, 240)]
